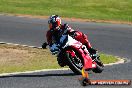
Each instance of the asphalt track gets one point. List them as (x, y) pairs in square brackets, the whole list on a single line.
[(115, 39)]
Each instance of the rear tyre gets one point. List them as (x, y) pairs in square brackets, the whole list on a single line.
[(99, 65), (98, 69)]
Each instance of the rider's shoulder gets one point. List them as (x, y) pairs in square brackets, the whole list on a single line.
[(65, 25)]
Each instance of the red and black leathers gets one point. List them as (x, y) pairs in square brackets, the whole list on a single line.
[(53, 35)]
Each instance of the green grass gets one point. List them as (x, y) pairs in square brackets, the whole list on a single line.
[(119, 10), (19, 59), (108, 58)]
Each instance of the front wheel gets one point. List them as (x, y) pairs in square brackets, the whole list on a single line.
[(75, 63)]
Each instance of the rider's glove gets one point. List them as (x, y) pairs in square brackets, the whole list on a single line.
[(44, 45), (54, 49)]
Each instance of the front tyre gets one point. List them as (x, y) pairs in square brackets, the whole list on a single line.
[(75, 64)]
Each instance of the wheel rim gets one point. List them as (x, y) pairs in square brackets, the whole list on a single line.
[(77, 62)]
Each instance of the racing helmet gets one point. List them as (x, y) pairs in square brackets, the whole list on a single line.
[(54, 22)]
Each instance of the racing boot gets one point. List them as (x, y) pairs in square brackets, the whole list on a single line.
[(93, 53)]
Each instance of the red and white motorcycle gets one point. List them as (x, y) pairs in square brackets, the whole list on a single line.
[(75, 55)]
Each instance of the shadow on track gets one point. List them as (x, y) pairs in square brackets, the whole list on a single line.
[(35, 75)]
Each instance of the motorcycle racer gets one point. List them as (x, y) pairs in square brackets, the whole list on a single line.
[(56, 29)]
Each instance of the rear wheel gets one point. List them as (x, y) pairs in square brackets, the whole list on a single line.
[(75, 63), (99, 66), (98, 69)]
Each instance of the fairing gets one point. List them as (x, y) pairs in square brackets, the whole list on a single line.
[(82, 50)]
